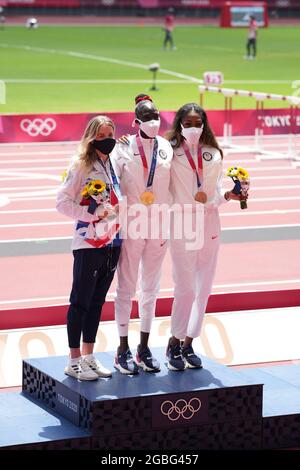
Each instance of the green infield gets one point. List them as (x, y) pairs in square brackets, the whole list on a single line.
[(101, 69)]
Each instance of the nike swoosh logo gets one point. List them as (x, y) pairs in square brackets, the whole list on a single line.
[(176, 357), (216, 236), (163, 243)]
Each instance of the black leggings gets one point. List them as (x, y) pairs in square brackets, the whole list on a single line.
[(251, 44), (93, 272)]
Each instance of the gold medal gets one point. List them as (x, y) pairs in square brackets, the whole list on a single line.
[(200, 196), (147, 198)]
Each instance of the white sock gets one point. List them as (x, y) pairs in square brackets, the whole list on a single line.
[(74, 361), (89, 357)]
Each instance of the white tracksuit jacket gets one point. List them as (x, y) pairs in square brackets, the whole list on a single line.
[(142, 252), (193, 271), (68, 203)]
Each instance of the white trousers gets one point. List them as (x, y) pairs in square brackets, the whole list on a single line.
[(193, 274), (146, 256)]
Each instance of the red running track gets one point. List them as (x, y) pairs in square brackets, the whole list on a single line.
[(30, 175)]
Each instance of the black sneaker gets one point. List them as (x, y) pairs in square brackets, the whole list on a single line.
[(174, 356), (125, 364), (146, 361), (192, 361)]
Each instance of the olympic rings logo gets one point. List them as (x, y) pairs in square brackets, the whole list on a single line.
[(38, 126), (181, 408)]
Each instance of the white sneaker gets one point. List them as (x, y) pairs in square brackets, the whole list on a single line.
[(80, 370), (96, 366)]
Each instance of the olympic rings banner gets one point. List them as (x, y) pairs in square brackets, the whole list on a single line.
[(70, 127)]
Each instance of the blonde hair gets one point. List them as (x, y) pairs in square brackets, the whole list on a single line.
[(87, 152)]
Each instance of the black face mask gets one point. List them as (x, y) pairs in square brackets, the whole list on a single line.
[(105, 146)]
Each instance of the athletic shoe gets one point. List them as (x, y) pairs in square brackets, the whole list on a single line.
[(146, 361), (125, 364), (174, 356), (96, 366), (80, 370), (192, 361)]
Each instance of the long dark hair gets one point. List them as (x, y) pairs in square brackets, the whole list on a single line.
[(207, 137)]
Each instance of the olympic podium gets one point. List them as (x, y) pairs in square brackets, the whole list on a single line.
[(211, 408)]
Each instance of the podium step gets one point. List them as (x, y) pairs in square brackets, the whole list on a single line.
[(212, 408), (281, 404), (26, 424)]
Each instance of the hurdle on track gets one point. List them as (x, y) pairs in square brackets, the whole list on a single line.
[(260, 99)]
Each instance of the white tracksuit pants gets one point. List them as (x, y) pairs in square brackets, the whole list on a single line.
[(193, 274), (146, 255)]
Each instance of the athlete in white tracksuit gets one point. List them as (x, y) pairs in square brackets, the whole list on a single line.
[(193, 269), (147, 251)]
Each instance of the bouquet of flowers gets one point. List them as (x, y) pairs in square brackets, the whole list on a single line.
[(94, 193), (241, 180)]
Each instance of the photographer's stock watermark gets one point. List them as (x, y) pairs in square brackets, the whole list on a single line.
[(176, 222)]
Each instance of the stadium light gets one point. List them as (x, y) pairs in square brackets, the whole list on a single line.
[(154, 69)]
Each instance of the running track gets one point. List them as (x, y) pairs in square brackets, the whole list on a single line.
[(260, 249)]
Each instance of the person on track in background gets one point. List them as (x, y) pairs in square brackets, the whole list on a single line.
[(95, 256), (196, 177), (169, 27), (143, 167), (252, 38)]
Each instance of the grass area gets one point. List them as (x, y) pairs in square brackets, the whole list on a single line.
[(198, 49)]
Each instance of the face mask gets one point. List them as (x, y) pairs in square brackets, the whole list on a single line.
[(192, 134), (150, 128), (105, 146)]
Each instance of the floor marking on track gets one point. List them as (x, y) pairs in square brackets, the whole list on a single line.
[(82, 55)]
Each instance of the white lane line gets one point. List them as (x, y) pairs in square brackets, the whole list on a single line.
[(252, 199), (38, 194), (34, 299), (254, 227), (22, 178), (270, 212), (36, 224), (244, 284), (224, 214), (99, 58), (63, 167), (90, 81), (40, 168), (27, 211), (267, 188), (40, 144), (41, 152), (20, 174), (36, 160), (278, 177), (22, 240), (24, 188), (269, 199), (36, 198), (112, 294), (46, 239)]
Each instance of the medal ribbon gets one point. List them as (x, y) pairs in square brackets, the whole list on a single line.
[(144, 160), (199, 171), (113, 178)]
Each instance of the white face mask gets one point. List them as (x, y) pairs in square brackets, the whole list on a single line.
[(192, 134), (150, 128)]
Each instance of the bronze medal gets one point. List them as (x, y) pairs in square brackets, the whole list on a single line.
[(147, 198), (200, 196)]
